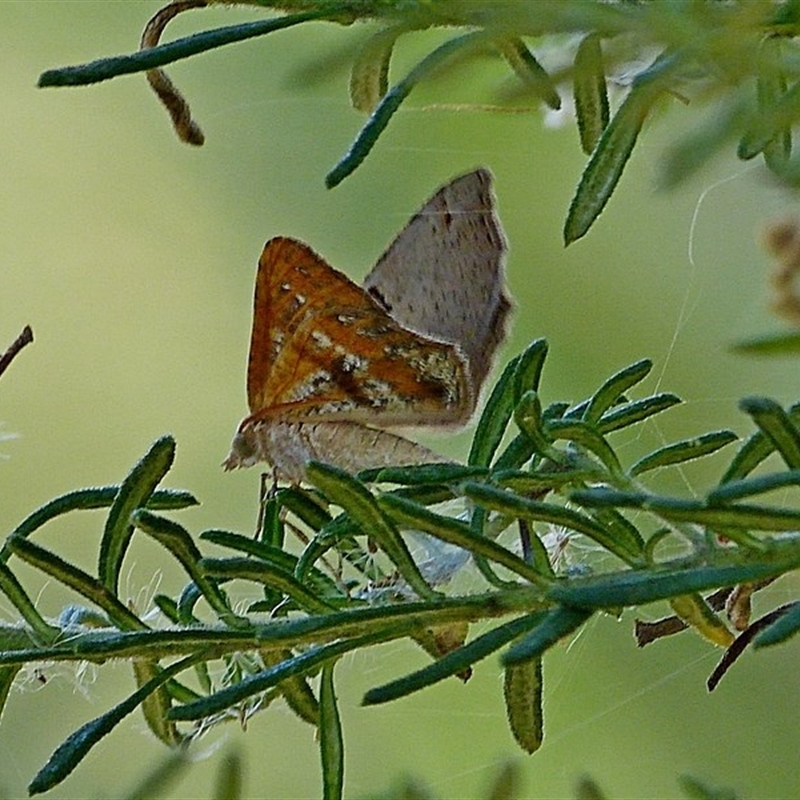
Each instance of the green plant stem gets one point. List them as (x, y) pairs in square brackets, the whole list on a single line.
[(403, 618), (153, 57)]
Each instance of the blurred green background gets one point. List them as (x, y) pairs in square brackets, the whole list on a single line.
[(132, 256)]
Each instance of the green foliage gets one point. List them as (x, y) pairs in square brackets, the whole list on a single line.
[(557, 473), (505, 786), (535, 472), (734, 62)]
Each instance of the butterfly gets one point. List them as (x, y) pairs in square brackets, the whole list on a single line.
[(333, 364)]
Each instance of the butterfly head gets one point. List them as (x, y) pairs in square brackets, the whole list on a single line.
[(245, 450)]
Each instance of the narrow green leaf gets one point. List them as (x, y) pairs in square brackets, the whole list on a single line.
[(718, 518), (737, 489), (589, 92), (391, 101), (685, 450), (156, 705), (167, 606), (425, 494), (305, 506), (13, 590), (783, 343), (489, 574), (76, 579), (317, 580), (159, 779), (171, 500), (529, 70), (252, 569), (477, 526), (186, 602), (540, 481), (87, 499), (778, 110), (370, 73), (637, 587), (528, 368), (626, 535), (753, 451), (786, 626), (75, 747), (337, 533), (508, 503), (534, 551), (72, 615), (494, 420), (587, 436), (295, 690), (306, 662), (104, 68), (7, 675), (228, 784), (771, 86), (615, 387), (134, 492), (778, 426), (559, 410), (411, 515), (529, 419), (272, 528), (724, 121), (348, 493), (421, 474), (176, 539), (693, 610), (614, 148), (557, 623), (183, 694), (786, 169), (331, 741), (522, 689), (454, 662), (571, 411), (506, 783), (518, 451), (603, 497), (587, 788), (630, 413), (694, 789)]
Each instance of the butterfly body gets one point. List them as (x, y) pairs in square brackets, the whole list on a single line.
[(289, 446), (331, 363)]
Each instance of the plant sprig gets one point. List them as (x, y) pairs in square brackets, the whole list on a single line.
[(739, 59), (560, 473)]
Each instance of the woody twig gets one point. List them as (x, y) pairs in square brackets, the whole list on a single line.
[(26, 337)]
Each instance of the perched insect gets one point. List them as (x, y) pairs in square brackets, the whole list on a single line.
[(333, 364)]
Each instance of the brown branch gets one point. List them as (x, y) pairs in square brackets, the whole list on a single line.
[(741, 642), (26, 337), (187, 129)]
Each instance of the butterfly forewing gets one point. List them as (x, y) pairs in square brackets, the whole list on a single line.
[(322, 347), (292, 284)]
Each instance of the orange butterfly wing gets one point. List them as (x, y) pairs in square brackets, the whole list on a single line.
[(321, 347)]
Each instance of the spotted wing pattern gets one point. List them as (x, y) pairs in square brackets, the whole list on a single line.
[(322, 347)]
